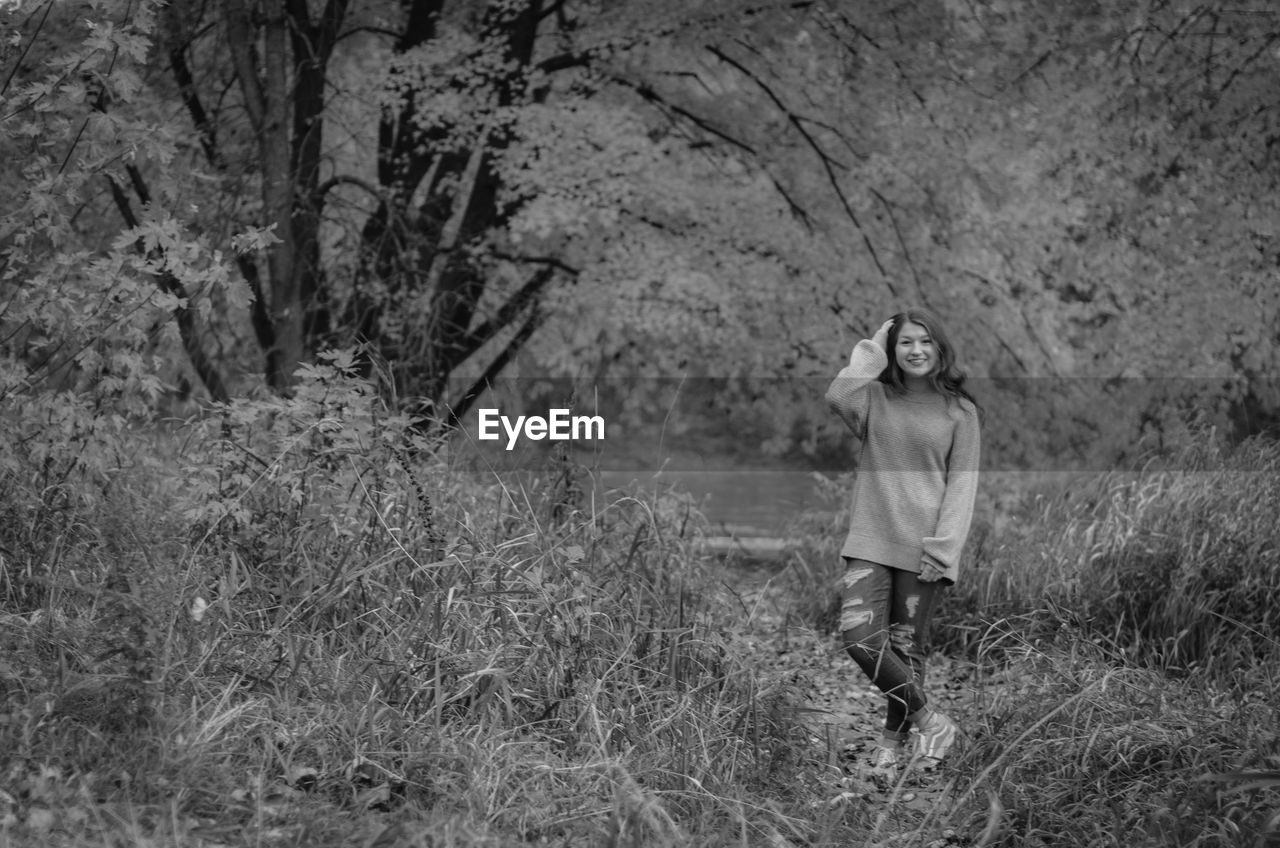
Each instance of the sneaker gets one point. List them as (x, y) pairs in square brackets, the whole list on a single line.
[(935, 739), (884, 768)]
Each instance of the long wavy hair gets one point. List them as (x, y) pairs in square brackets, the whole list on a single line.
[(947, 379)]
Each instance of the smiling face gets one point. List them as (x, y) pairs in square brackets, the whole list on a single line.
[(915, 352)]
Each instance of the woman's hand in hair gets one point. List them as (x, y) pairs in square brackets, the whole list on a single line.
[(881, 337)]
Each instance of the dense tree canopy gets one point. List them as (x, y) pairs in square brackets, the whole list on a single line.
[(730, 189)]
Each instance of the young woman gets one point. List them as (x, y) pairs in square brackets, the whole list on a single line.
[(917, 476)]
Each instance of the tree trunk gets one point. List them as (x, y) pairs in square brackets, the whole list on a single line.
[(445, 223), (408, 255), (312, 49)]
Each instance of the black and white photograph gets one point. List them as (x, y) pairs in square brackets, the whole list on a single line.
[(640, 423)]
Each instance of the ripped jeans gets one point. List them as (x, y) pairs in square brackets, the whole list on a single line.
[(884, 620)]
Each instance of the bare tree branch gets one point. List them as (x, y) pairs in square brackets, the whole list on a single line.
[(506, 314), (813, 144), (48, 6), (343, 179), (463, 404), (902, 243), (168, 283), (191, 99), (259, 316), (240, 39), (647, 93)]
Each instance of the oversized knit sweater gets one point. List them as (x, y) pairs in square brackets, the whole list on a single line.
[(917, 468)]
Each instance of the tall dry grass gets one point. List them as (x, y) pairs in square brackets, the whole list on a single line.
[(1175, 567), (1129, 622), (294, 630), (292, 626), (1072, 744)]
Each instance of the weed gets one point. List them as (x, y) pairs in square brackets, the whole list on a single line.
[(279, 643)]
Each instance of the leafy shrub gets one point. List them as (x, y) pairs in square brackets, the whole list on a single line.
[(309, 499), (301, 591)]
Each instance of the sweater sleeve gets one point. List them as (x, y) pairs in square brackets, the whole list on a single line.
[(956, 512), (847, 394)]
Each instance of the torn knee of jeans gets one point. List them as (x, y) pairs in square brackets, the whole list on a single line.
[(854, 616), (853, 575), (903, 637)]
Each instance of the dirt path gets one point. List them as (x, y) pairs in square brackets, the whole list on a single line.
[(846, 711)]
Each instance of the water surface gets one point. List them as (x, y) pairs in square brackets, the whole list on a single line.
[(737, 503)]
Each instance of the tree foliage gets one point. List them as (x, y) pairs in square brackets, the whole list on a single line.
[(1084, 191), (731, 189)]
